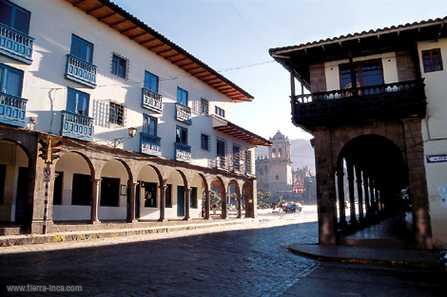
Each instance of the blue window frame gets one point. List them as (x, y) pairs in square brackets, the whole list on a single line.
[(81, 48), (150, 125), (181, 135), (182, 96), (14, 16), (220, 148), (77, 102), (11, 80), (151, 81), (204, 142), (119, 66)]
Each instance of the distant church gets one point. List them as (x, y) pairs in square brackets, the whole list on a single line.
[(274, 171)]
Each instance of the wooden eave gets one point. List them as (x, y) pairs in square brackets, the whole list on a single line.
[(242, 134), (126, 24)]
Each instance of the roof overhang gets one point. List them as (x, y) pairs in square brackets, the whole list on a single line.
[(297, 58), (235, 131), (122, 21)]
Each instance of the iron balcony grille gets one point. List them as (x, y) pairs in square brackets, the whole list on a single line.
[(12, 110), (152, 100), (150, 144), (80, 71), (77, 126), (182, 152), (16, 44)]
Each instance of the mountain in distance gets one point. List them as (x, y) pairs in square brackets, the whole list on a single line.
[(301, 153)]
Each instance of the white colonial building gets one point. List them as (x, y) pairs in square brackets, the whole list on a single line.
[(129, 125)]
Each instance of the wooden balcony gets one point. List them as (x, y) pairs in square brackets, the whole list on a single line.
[(150, 145), (182, 152), (80, 71), (339, 107), (77, 126), (152, 101), (12, 110), (16, 44), (183, 113)]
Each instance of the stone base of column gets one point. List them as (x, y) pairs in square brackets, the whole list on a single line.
[(37, 227), (163, 220), (132, 221), (94, 222), (187, 219)]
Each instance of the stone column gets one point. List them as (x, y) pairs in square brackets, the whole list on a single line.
[(326, 192), (367, 201), (358, 173), (96, 194), (207, 205), (224, 214), (350, 167), (341, 195), (187, 203), (254, 197), (239, 207), (162, 194), (132, 190)]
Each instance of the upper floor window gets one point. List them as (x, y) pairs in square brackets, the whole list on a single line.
[(150, 125), (182, 96), (11, 80), (365, 73), (204, 106), (151, 81), (432, 60), (181, 135), (119, 66), (204, 142), (116, 114), (219, 111), (14, 16), (220, 148), (77, 102), (81, 49)]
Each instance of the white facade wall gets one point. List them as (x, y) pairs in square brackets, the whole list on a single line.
[(45, 87), (434, 130)]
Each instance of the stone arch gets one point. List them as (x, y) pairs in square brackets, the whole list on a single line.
[(147, 192), (218, 188), (15, 172), (235, 198)]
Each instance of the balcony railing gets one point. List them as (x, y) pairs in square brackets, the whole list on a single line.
[(77, 126), (152, 100), (12, 110), (220, 162), (16, 44), (150, 144), (80, 71), (182, 152), (183, 113), (395, 100)]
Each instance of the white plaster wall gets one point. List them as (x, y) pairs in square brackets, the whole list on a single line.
[(434, 130), (388, 63), (45, 86)]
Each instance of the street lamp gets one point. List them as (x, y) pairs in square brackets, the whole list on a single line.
[(131, 132)]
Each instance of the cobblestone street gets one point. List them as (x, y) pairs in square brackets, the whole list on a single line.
[(253, 262)]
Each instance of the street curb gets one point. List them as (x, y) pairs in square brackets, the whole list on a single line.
[(368, 261), (17, 240)]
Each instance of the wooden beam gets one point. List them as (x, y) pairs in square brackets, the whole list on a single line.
[(139, 35), (170, 58), (197, 70), (128, 29), (221, 83), (181, 58), (90, 11), (165, 51), (77, 3), (182, 62), (174, 53), (152, 42), (195, 66), (158, 46), (107, 16), (116, 23)]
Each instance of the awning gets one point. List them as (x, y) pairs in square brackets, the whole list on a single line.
[(228, 128)]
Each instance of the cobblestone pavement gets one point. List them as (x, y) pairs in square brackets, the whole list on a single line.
[(252, 262)]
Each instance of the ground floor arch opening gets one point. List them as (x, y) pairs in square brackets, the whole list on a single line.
[(218, 199)]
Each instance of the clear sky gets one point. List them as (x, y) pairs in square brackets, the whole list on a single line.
[(228, 34)]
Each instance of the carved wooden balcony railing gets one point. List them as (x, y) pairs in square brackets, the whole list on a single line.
[(152, 100), (387, 101), (182, 152), (80, 71), (12, 110), (183, 113), (16, 44), (150, 144), (77, 126)]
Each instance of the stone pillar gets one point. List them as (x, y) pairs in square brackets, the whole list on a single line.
[(239, 207), (367, 201), (132, 211), (162, 194), (326, 193), (187, 203), (224, 214), (358, 173), (254, 197), (350, 167), (372, 197), (96, 194), (341, 195), (207, 205)]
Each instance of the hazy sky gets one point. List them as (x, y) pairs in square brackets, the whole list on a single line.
[(228, 34)]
